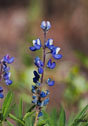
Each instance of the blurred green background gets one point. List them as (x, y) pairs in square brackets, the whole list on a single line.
[(20, 24)]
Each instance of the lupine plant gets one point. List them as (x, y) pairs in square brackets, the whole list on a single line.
[(35, 115), (40, 98)]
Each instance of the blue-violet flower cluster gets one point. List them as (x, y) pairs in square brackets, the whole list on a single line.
[(5, 72), (40, 98)]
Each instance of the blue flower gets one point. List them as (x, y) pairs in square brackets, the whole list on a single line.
[(45, 102), (36, 45), (6, 75), (44, 94), (36, 78), (34, 101), (38, 62), (34, 89), (34, 96), (51, 64), (40, 114), (49, 44), (1, 94), (7, 59), (8, 82), (5, 68), (55, 52), (50, 82), (45, 25), (40, 70)]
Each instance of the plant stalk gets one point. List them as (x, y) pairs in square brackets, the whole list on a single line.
[(42, 77), (0, 123), (44, 57)]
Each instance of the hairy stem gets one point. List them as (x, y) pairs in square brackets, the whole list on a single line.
[(44, 56)]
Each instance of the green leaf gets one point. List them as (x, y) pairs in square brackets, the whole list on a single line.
[(42, 123), (7, 105), (62, 117), (31, 108), (28, 115), (16, 119), (1, 115), (49, 119), (80, 116)]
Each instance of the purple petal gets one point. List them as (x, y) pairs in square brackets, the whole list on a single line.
[(51, 65), (32, 48), (11, 60), (1, 89), (57, 56), (8, 82), (1, 95), (50, 82), (40, 114), (40, 70)]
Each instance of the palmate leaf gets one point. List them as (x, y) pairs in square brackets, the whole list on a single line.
[(62, 118), (6, 108), (80, 117)]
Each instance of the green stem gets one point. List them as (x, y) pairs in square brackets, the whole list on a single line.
[(16, 119), (44, 57), (0, 123)]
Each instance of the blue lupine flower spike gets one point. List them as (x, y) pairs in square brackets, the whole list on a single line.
[(45, 25), (36, 45), (4, 73), (40, 98)]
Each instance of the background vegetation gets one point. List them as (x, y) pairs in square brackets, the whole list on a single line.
[(19, 25)]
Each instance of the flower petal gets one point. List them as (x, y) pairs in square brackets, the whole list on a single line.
[(32, 48), (11, 60), (51, 65), (50, 82), (40, 70), (8, 82), (57, 56), (1, 89), (1, 95), (40, 114)]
